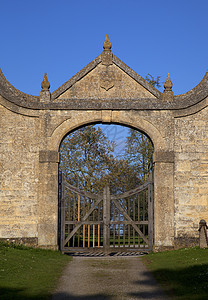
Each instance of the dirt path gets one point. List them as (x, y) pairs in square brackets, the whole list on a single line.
[(109, 278)]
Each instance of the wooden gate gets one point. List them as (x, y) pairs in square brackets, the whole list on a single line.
[(105, 222)]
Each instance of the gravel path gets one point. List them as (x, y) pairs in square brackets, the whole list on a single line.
[(107, 278)]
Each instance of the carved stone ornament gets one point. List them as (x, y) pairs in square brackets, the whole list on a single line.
[(45, 83), (107, 44), (168, 83), (107, 55), (167, 94), (107, 77), (107, 80)]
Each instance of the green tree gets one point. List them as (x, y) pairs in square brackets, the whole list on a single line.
[(88, 160), (153, 81), (121, 176), (85, 157), (139, 153)]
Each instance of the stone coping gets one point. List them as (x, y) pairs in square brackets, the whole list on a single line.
[(184, 101)]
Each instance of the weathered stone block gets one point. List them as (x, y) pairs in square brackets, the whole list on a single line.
[(48, 156)]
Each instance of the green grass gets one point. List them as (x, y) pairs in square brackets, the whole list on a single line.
[(182, 273), (27, 273)]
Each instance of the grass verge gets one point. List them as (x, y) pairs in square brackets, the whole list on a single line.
[(183, 273), (28, 273)]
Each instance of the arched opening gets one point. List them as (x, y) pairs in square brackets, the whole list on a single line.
[(106, 189)]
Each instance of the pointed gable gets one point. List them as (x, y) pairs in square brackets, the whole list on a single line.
[(106, 77)]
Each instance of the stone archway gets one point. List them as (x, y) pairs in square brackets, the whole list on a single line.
[(163, 159), (108, 91)]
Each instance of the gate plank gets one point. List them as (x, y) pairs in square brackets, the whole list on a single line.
[(78, 207), (103, 216), (131, 192), (93, 235), (83, 219), (98, 235), (83, 193), (88, 236), (106, 217), (129, 228), (84, 236), (129, 218)]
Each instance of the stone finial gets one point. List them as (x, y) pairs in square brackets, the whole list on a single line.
[(167, 93), (107, 44), (107, 55), (168, 83), (45, 83), (45, 95)]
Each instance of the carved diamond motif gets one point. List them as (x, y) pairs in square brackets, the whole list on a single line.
[(107, 80)]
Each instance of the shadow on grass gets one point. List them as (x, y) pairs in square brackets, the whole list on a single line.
[(17, 294), (66, 296), (184, 283)]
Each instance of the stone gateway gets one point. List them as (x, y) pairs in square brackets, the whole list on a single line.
[(106, 91)]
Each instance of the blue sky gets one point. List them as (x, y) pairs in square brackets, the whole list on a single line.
[(61, 37)]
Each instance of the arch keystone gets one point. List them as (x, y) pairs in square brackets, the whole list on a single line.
[(106, 116)]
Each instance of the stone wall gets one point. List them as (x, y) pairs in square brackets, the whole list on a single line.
[(191, 173), (106, 91), (19, 152)]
